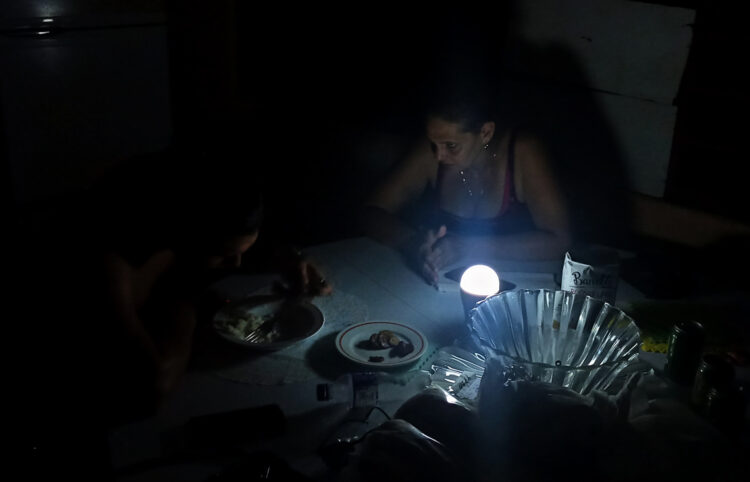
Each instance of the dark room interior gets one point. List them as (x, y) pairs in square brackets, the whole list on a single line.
[(134, 123)]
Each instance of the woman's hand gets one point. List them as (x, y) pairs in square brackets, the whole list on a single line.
[(438, 250), (311, 280), (424, 254), (446, 250), (303, 276)]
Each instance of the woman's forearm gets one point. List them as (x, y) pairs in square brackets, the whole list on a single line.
[(530, 246)]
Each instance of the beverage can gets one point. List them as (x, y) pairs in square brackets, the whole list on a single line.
[(684, 349)]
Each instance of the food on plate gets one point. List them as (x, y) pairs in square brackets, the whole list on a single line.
[(384, 339), (239, 325), (376, 359), (387, 339), (402, 349)]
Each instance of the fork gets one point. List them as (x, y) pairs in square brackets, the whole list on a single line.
[(257, 334)]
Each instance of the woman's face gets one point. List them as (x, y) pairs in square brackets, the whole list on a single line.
[(452, 145)]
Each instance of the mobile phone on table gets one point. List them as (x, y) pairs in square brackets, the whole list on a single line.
[(455, 274)]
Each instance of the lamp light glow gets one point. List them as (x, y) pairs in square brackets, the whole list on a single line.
[(480, 280)]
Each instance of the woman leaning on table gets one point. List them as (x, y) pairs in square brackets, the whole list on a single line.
[(490, 186)]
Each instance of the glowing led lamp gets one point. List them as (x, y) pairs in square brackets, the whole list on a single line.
[(477, 283), (480, 280)]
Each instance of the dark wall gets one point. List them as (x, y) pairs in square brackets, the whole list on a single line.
[(78, 93), (334, 97), (709, 151), (318, 103)]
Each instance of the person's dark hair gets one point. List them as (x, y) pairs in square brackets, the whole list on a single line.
[(468, 103), (221, 212), (174, 200), (213, 199)]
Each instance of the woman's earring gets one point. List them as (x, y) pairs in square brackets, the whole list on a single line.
[(487, 145)]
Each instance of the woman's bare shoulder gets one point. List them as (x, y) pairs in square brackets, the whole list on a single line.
[(531, 162), (407, 179), (526, 141)]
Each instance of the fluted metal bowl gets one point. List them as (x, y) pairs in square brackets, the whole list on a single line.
[(559, 337)]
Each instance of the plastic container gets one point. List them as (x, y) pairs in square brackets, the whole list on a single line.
[(371, 389)]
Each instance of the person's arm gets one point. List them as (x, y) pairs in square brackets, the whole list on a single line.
[(379, 217), (167, 351), (538, 188), (300, 275), (303, 275)]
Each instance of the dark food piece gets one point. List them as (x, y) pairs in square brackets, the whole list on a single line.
[(402, 349), (388, 339), (383, 339)]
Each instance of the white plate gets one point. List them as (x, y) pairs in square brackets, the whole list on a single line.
[(348, 343), (300, 320)]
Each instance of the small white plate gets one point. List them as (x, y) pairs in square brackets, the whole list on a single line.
[(299, 320), (350, 341)]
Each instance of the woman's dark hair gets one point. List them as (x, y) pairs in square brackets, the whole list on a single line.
[(469, 103)]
